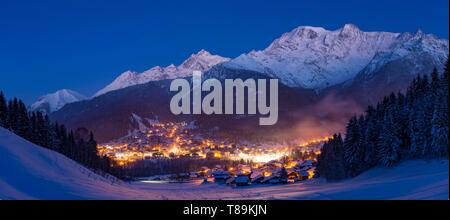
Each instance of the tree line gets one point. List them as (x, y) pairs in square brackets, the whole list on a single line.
[(37, 128), (400, 127)]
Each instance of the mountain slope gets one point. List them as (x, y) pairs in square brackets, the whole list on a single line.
[(393, 70), (28, 171), (308, 57), (55, 101), (325, 78), (202, 61), (110, 120)]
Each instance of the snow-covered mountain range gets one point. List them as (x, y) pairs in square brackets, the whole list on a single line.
[(55, 101), (307, 57), (202, 61), (315, 58), (346, 69)]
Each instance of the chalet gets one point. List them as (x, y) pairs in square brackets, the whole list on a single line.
[(183, 175), (293, 176), (257, 179), (193, 175), (230, 181), (204, 172), (274, 179), (220, 175), (242, 180), (269, 179), (304, 175), (307, 163)]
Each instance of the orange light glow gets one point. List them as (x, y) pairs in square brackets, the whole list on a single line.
[(266, 173)]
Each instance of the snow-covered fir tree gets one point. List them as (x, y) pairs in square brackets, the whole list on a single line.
[(400, 127)]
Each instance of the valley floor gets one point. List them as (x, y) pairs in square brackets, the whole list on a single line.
[(31, 172), (410, 180)]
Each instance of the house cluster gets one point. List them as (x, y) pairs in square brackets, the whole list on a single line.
[(258, 163), (176, 140), (273, 172)]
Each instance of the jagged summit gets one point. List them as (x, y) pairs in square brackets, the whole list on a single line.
[(202, 61)]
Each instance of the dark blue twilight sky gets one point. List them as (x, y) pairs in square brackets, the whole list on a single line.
[(84, 44)]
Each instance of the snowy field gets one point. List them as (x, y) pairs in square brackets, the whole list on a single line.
[(31, 172)]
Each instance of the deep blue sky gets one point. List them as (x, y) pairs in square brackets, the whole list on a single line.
[(84, 44)]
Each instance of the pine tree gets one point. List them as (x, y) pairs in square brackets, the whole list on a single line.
[(330, 163), (62, 140), (390, 142), (3, 110), (435, 84), (400, 126), (70, 145), (402, 121), (340, 171), (371, 138), (440, 129), (352, 146), (420, 118), (324, 160), (79, 152), (22, 123), (92, 151), (11, 119), (48, 132), (440, 121), (34, 128)]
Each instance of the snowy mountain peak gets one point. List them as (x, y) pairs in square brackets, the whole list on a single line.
[(308, 57), (316, 58), (125, 76), (420, 33), (55, 101), (350, 30), (203, 52), (290, 40), (202, 60)]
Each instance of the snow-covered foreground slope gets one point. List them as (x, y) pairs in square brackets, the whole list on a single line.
[(31, 172), (28, 171)]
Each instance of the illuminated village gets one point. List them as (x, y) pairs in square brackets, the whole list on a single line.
[(215, 160)]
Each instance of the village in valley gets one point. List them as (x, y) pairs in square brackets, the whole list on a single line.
[(176, 153)]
